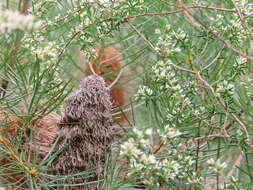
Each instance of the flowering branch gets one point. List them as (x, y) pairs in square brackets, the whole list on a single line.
[(242, 19), (215, 33), (217, 97), (220, 101), (168, 13)]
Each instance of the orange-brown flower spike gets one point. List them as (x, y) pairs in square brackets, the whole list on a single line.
[(108, 65)]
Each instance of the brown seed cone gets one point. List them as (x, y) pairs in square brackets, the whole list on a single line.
[(86, 132)]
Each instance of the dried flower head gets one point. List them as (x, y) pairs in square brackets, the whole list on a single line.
[(86, 131), (90, 101)]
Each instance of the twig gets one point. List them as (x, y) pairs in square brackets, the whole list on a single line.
[(183, 69), (236, 164), (214, 60), (65, 17), (211, 8), (140, 15), (167, 13), (110, 59), (128, 109), (6, 143), (116, 79), (25, 7), (215, 136), (196, 6), (91, 68), (142, 36)]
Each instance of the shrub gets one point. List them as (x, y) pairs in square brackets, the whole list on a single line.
[(190, 121)]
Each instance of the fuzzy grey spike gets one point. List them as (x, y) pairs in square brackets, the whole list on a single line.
[(86, 130)]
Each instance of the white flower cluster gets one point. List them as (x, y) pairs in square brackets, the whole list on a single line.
[(167, 79), (216, 165), (143, 93), (168, 38), (151, 167), (180, 113), (163, 72), (40, 48), (246, 81), (12, 20), (50, 51), (231, 27), (245, 6), (46, 52), (225, 87), (169, 132), (165, 75)]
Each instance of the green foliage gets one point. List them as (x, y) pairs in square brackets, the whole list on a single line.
[(191, 116)]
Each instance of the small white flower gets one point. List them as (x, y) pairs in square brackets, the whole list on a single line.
[(157, 31), (219, 17), (168, 26), (136, 151), (149, 132), (152, 159), (171, 132), (241, 60), (145, 142), (174, 133), (225, 87), (144, 159), (216, 165), (143, 92), (139, 133)]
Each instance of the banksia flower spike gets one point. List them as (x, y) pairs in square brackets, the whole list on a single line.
[(86, 131), (108, 64)]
